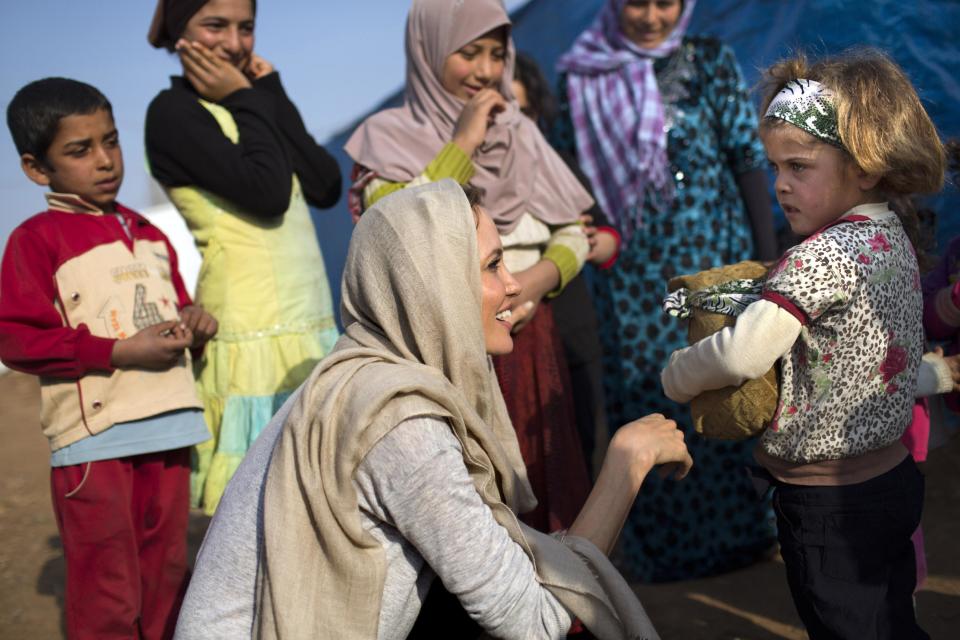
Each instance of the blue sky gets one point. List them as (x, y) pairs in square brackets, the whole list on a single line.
[(337, 59)]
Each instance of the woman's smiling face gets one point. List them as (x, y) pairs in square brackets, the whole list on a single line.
[(476, 65), (226, 28), (648, 23), (498, 286)]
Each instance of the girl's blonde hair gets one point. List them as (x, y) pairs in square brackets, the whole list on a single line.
[(880, 120)]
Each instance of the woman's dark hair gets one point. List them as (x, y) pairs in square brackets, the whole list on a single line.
[(543, 106), (35, 112), (474, 195), (474, 199)]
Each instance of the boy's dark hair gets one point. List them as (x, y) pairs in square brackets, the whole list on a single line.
[(527, 72), (35, 112)]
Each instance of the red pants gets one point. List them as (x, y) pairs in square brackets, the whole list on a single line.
[(123, 523)]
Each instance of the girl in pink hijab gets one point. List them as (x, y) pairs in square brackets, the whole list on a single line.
[(460, 120)]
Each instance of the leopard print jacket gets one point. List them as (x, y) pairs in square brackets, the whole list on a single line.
[(847, 385)]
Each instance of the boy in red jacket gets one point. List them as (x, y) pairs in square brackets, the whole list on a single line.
[(91, 302)]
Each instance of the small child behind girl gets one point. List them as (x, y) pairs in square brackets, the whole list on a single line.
[(842, 312), (941, 296)]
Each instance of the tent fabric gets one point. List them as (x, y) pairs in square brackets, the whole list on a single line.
[(919, 35)]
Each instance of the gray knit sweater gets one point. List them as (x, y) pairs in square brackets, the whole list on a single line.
[(416, 498)]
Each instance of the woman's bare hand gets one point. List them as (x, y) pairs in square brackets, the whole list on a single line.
[(535, 283), (651, 441), (477, 115), (602, 245), (521, 314), (258, 67), (213, 77), (635, 449)]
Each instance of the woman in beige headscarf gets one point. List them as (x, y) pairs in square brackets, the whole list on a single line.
[(460, 120), (396, 463)]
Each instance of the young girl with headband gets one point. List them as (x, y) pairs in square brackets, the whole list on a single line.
[(841, 311)]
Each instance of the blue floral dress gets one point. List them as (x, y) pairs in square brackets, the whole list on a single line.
[(713, 521)]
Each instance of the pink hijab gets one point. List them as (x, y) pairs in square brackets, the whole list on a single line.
[(515, 165)]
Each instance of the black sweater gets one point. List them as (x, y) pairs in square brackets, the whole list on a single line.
[(186, 147)]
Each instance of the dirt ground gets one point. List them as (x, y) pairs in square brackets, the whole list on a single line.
[(749, 604)]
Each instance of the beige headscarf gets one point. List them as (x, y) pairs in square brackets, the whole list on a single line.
[(413, 346), (515, 166)]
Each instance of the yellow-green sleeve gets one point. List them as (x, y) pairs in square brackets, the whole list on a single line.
[(451, 162), (566, 261), (567, 249)]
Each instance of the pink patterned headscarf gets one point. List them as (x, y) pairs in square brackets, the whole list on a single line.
[(515, 165), (617, 113)]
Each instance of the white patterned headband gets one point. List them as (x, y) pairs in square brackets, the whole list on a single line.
[(809, 105)]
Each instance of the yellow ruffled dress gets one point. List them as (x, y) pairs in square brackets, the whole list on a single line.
[(266, 284)]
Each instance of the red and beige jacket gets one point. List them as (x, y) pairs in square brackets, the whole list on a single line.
[(72, 282)]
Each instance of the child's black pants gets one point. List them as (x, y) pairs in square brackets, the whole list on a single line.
[(849, 559)]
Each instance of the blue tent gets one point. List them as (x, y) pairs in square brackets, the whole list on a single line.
[(921, 36)]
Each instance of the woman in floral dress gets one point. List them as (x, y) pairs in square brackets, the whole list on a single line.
[(663, 126)]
